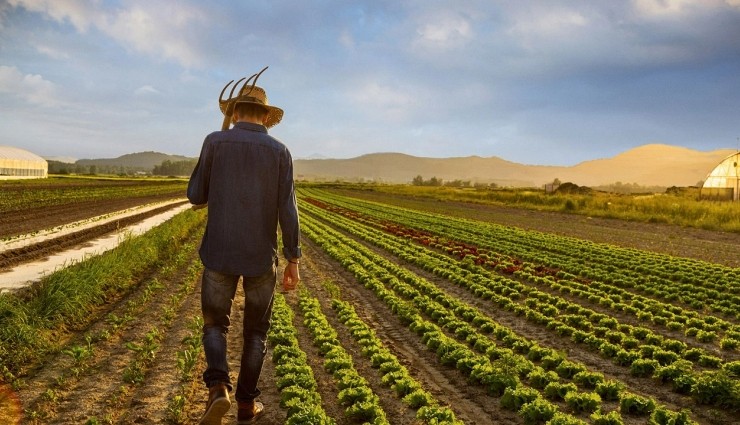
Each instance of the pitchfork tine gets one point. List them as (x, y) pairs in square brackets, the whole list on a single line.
[(221, 96), (233, 88), (260, 73), (241, 91), (256, 76)]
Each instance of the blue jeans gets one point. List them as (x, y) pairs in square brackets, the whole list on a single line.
[(217, 296)]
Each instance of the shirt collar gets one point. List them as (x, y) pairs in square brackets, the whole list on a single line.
[(250, 126)]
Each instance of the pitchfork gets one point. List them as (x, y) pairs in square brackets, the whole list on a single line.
[(227, 105)]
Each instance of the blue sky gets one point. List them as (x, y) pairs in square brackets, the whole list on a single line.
[(540, 82)]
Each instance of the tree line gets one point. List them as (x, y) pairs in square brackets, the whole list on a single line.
[(166, 168), (434, 181), (175, 168)]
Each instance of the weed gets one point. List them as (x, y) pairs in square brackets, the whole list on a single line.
[(176, 409), (50, 396), (78, 353)]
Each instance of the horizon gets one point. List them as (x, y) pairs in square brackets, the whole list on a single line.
[(532, 82), (309, 158)]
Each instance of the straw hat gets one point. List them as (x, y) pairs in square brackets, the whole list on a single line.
[(256, 96), (249, 94)]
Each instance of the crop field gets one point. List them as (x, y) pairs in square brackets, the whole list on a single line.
[(407, 313), (31, 205)]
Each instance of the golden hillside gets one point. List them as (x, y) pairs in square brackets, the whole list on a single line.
[(648, 165)]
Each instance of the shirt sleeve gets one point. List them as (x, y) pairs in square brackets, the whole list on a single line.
[(199, 180), (287, 209)]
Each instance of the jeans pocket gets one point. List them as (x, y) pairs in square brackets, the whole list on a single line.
[(215, 277), (217, 296)]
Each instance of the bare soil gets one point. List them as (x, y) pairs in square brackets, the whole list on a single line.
[(13, 223), (13, 257)]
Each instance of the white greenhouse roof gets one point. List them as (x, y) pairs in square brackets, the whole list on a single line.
[(725, 174), (10, 152)]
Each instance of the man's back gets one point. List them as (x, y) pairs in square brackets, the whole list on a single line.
[(246, 178)]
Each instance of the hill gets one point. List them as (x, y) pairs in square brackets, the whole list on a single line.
[(144, 161), (648, 165)]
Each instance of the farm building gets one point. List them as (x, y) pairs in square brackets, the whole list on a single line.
[(17, 163), (723, 183)]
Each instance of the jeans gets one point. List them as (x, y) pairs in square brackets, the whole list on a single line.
[(217, 296)]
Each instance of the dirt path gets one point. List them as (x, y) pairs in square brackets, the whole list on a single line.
[(470, 404)]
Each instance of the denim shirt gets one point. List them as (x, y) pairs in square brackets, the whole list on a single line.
[(246, 178)]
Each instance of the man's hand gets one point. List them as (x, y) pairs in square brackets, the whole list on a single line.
[(197, 207), (291, 276)]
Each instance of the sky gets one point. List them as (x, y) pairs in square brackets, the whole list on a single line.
[(550, 82)]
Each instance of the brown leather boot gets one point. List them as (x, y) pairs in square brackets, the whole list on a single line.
[(218, 405), (249, 412)]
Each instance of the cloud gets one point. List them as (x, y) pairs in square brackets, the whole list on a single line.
[(345, 39), (392, 103), (80, 13), (52, 52), (554, 40), (441, 30), (548, 23), (446, 32), (473, 77), (146, 90), (662, 9), (170, 31), (30, 88)]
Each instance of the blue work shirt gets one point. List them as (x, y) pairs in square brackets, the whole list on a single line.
[(246, 178)]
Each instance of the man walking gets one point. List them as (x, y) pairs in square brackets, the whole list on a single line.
[(245, 178)]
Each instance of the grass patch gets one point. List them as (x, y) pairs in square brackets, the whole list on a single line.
[(31, 321), (683, 209)]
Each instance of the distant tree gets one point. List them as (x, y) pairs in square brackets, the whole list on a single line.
[(57, 167), (673, 190), (419, 181), (175, 168), (572, 188), (457, 183)]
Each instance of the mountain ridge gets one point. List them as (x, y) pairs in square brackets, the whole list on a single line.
[(143, 160), (652, 164)]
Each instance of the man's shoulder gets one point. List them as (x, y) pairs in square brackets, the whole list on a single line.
[(278, 144), (216, 135), (234, 136)]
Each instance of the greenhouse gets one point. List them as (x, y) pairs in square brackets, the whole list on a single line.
[(17, 163), (723, 182)]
